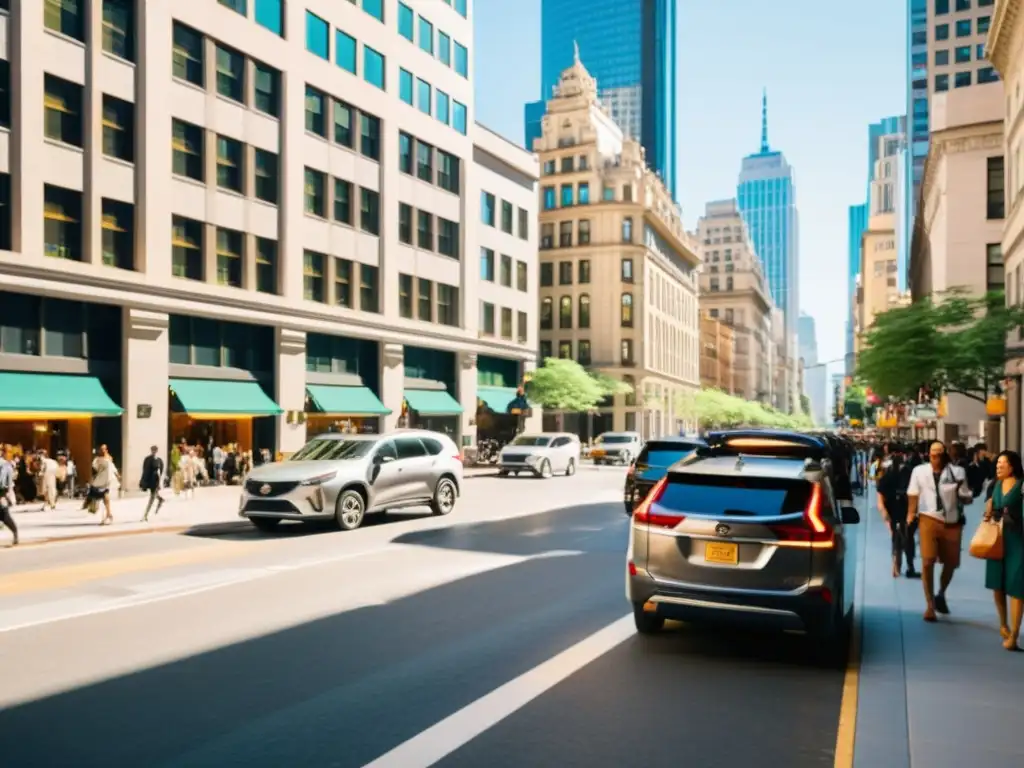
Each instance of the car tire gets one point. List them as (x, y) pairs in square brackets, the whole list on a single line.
[(502, 473), (647, 623), (570, 469), (265, 524), (445, 495), (349, 510), (545, 469)]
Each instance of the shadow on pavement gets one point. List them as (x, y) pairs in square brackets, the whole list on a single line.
[(243, 530)]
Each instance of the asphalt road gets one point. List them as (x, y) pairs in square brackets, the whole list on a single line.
[(496, 636)]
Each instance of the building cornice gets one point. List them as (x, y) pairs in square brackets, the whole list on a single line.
[(980, 137), (1001, 38)]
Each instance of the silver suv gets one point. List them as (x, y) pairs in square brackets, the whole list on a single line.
[(747, 528), (344, 477), (616, 448)]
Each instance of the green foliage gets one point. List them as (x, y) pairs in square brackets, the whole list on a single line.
[(565, 385), (956, 344), (714, 408), (855, 402), (805, 405)]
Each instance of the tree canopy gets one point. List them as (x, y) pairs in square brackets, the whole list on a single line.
[(565, 385), (954, 344), (714, 408)]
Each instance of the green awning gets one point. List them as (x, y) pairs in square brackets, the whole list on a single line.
[(210, 397), (432, 402), (54, 394), (498, 399), (346, 401)]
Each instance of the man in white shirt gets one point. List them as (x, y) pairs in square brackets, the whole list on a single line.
[(48, 469), (936, 494)]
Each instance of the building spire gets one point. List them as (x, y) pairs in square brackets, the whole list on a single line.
[(764, 122), (575, 52)]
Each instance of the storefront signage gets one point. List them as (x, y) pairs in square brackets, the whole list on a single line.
[(143, 411)]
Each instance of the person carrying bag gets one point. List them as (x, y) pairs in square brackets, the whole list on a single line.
[(1004, 518)]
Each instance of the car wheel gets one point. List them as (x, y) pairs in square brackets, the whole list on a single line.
[(265, 524), (349, 510), (570, 469), (647, 623), (444, 497), (545, 469), (502, 473)]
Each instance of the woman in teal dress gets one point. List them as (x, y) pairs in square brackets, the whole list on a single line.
[(1006, 577)]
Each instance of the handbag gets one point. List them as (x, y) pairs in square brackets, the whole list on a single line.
[(987, 542)]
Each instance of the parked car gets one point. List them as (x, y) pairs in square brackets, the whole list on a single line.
[(345, 477), (748, 528), (616, 448), (651, 465), (542, 455)]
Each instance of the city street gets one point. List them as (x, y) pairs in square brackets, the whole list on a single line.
[(496, 636)]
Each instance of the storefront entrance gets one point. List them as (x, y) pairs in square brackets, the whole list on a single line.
[(224, 413), (345, 409)]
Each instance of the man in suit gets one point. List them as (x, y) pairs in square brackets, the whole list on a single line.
[(152, 479)]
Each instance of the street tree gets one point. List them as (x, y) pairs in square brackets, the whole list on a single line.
[(565, 385), (955, 344)]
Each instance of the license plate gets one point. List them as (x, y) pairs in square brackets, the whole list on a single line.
[(597, 453), (721, 552)]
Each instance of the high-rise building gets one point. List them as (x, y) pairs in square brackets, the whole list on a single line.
[(247, 225), (766, 194), (917, 102), (857, 222), (629, 47), (717, 354), (618, 271), (815, 373)]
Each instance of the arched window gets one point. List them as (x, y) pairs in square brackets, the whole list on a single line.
[(565, 312), (547, 315), (631, 395), (584, 314), (626, 310)]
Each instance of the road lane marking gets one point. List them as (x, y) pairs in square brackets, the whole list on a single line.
[(846, 733), (441, 739)]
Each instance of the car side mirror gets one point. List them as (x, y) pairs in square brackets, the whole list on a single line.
[(850, 516)]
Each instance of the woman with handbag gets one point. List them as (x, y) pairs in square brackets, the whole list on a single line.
[(1005, 576)]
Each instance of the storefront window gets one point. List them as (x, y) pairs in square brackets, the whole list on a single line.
[(215, 343), (178, 333), (205, 342), (64, 328), (19, 324)]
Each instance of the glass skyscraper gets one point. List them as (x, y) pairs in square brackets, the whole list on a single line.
[(766, 194), (629, 46), (857, 222), (917, 107)]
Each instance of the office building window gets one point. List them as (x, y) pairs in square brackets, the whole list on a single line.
[(626, 310), (118, 234), (506, 217), (487, 264), (547, 274), (186, 248), (487, 204), (487, 318), (266, 265), (238, 6), (549, 198), (443, 106), (447, 305), (405, 292), (941, 7), (229, 257), (459, 117), (425, 230), (963, 5), (962, 54), (405, 223), (405, 144), (425, 299), (627, 351), (369, 295), (627, 270), (506, 270), (230, 74), (506, 323), (270, 15), (405, 86), (119, 28), (374, 67), (406, 21), (547, 236), (369, 136), (461, 60), (565, 350), (369, 210), (266, 89), (567, 195), (444, 48), (565, 273), (583, 193), (942, 57), (343, 295), (118, 128), (544, 350), (987, 75), (375, 8), (62, 108), (565, 234), (448, 172), (584, 232), (984, 23), (522, 327), (462, 7), (315, 199), (565, 312), (316, 111), (547, 314), (187, 150), (343, 201), (583, 353), (942, 32), (229, 164), (426, 30), (266, 171), (345, 50), (424, 96), (524, 224), (941, 83), (424, 162), (963, 28), (318, 41), (343, 133), (313, 286), (187, 58), (5, 93), (996, 184), (627, 229), (521, 276), (448, 238), (66, 17), (584, 311)]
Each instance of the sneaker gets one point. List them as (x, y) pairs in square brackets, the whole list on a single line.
[(940, 604), (912, 574)]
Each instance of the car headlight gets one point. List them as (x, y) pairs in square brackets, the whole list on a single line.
[(533, 458), (320, 479)]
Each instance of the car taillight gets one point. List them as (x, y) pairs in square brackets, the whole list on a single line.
[(812, 530), (662, 519)]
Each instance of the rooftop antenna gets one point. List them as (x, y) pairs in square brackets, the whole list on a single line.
[(764, 122), (575, 52)]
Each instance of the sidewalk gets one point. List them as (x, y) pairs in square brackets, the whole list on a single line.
[(933, 695), (214, 505)]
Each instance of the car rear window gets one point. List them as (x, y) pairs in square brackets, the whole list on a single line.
[(665, 454), (714, 496), (611, 439)]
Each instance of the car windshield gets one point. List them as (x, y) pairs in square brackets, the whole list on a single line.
[(532, 440), (615, 439), (664, 455), (332, 450), (717, 495)]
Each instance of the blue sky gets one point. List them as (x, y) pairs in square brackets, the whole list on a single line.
[(830, 69)]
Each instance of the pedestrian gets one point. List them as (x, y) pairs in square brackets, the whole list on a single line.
[(892, 505), (218, 465), (936, 493), (7, 492), (152, 480), (48, 471), (104, 478), (190, 470), (1006, 577)]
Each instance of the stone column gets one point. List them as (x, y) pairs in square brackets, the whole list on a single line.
[(467, 376), (290, 387), (392, 382), (145, 364), (535, 421)]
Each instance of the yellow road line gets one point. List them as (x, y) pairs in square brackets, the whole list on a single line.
[(847, 730), (72, 575)]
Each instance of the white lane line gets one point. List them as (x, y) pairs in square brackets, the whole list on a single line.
[(441, 739)]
